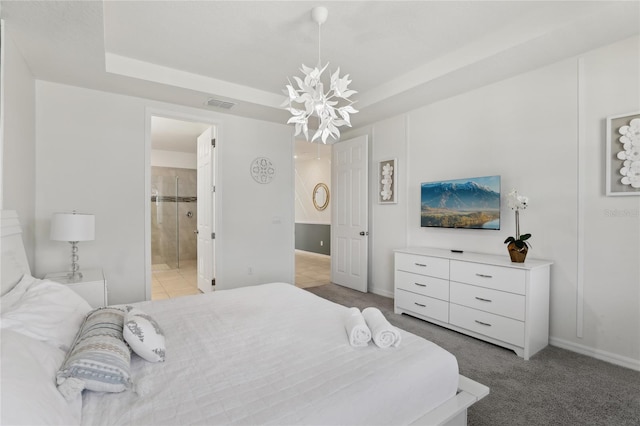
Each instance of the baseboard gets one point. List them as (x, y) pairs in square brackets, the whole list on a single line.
[(609, 357), (313, 253), (381, 292)]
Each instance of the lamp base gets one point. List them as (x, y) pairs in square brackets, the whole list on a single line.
[(74, 277)]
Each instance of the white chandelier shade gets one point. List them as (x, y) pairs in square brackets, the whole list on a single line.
[(332, 108)]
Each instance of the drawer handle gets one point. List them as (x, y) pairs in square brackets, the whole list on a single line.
[(484, 276), (420, 304), (421, 264), (421, 285), (483, 300), (483, 323)]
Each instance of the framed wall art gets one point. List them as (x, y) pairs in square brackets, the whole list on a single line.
[(387, 177), (623, 155)]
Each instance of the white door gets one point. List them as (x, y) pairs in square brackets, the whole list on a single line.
[(349, 214), (206, 200)]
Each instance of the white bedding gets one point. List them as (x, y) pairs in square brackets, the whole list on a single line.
[(273, 354)]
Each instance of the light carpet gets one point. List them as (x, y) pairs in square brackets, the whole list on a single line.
[(555, 387)]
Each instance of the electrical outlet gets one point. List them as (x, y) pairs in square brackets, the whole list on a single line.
[(250, 270), (321, 243)]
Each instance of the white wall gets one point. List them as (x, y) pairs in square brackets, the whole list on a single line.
[(387, 221), (524, 129), (257, 220), (180, 160), (19, 140), (611, 241), (97, 164), (529, 130), (3, 67), (308, 173)]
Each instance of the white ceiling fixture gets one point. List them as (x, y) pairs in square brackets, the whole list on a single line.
[(332, 108)]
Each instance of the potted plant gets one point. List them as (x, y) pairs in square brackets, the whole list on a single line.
[(518, 245)]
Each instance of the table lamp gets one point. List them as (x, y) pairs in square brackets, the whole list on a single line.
[(73, 227)]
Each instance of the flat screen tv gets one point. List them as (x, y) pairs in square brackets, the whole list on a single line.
[(472, 203)]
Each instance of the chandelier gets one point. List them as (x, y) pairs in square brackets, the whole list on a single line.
[(332, 108)]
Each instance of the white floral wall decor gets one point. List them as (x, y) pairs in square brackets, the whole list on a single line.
[(262, 170), (630, 156), (623, 152), (387, 175)]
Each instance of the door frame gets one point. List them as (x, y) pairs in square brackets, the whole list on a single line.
[(176, 115)]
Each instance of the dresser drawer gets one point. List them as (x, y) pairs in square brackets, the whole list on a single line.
[(495, 326), (423, 305), (488, 300), (432, 266), (423, 284), (490, 276)]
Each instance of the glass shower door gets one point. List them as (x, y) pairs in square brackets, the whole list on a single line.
[(165, 245)]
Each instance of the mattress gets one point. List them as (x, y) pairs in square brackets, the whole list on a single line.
[(273, 354)]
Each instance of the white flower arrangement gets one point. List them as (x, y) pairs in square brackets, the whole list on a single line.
[(518, 202)]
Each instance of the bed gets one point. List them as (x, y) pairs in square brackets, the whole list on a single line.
[(266, 354)]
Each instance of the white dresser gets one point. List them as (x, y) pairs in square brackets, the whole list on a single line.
[(485, 296)]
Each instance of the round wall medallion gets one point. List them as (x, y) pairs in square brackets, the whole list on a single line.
[(262, 170)]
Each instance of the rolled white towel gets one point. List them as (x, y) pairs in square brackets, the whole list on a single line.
[(356, 327), (382, 332)]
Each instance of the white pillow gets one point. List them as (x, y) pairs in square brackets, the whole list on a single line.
[(14, 295), (47, 311), (12, 271), (144, 335), (29, 394)]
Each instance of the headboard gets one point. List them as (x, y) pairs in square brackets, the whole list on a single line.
[(14, 258)]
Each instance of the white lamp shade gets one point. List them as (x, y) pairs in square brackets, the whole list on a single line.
[(73, 227)]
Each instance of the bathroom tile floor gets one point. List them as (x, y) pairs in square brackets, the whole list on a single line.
[(168, 283), (312, 270)]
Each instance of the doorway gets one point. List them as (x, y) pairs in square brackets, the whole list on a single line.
[(312, 213), (174, 206)]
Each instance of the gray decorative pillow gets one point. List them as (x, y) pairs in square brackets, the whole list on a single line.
[(144, 335), (99, 359)]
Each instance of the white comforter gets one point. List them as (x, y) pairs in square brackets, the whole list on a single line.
[(273, 354)]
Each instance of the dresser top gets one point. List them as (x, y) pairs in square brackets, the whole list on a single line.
[(468, 256)]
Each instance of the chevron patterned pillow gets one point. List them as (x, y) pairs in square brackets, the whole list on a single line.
[(99, 359)]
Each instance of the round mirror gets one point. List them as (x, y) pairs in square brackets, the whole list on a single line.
[(321, 196)]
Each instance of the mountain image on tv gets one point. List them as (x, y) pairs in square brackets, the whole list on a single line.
[(461, 203)]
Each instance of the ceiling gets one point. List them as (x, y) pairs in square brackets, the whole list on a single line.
[(400, 55)]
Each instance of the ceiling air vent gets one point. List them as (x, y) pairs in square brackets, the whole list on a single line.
[(217, 103)]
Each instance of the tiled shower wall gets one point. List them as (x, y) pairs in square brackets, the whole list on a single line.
[(173, 238)]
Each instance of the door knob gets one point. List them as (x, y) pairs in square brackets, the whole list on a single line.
[(195, 231), (364, 233)]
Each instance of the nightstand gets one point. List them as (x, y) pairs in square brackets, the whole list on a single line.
[(92, 286)]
